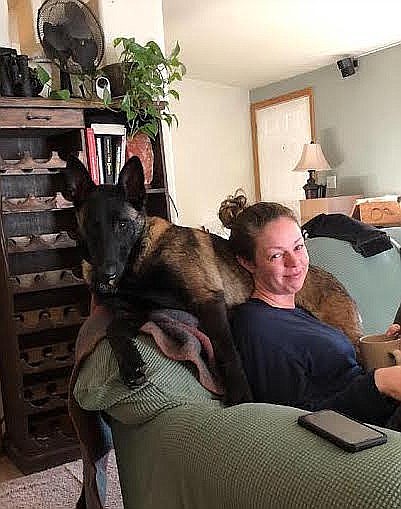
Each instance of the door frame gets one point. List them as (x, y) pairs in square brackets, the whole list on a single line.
[(305, 92)]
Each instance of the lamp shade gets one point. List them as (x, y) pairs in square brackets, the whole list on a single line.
[(312, 158)]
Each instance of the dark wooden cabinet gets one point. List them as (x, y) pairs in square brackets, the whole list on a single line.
[(43, 298)]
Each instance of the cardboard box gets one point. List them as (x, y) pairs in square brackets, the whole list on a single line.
[(379, 213)]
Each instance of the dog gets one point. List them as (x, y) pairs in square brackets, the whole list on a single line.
[(134, 263)]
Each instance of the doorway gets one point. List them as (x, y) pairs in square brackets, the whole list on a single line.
[(280, 128)]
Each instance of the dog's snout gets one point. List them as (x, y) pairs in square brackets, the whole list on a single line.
[(110, 272), (105, 280)]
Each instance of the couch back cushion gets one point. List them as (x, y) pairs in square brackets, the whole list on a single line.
[(373, 282)]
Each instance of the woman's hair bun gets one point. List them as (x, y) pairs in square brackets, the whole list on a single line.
[(231, 207)]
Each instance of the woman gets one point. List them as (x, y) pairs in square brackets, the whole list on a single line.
[(290, 357)]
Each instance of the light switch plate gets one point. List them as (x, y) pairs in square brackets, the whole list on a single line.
[(331, 182)]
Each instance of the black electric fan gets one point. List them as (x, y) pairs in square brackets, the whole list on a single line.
[(71, 37)]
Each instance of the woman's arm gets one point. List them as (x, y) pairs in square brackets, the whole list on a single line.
[(279, 378), (388, 380)]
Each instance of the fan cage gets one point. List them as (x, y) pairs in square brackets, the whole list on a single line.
[(53, 11)]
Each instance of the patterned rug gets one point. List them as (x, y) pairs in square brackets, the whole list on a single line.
[(56, 488)]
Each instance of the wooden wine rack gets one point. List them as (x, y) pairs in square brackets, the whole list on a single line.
[(43, 298), (44, 301)]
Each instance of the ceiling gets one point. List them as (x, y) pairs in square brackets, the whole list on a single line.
[(251, 43)]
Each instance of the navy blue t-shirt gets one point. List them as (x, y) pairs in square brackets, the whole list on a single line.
[(291, 358)]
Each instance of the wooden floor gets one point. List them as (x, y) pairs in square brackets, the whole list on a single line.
[(8, 470)]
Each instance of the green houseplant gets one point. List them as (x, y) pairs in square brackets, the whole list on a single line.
[(145, 78), (142, 81)]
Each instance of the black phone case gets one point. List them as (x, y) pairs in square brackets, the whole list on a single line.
[(347, 446)]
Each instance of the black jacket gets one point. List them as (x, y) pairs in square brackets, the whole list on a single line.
[(364, 238)]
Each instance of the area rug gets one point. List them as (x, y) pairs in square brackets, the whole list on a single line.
[(56, 488)]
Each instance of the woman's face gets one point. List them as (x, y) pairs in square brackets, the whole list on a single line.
[(281, 260)]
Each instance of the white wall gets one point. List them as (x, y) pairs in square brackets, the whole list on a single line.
[(142, 19), (357, 121), (210, 155), (4, 35), (212, 149)]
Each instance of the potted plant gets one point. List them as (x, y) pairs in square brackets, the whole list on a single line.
[(143, 79)]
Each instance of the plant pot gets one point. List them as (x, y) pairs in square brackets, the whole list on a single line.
[(140, 145), (114, 73)]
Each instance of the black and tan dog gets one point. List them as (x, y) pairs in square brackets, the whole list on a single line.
[(147, 262)]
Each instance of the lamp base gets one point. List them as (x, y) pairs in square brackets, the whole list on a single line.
[(312, 189)]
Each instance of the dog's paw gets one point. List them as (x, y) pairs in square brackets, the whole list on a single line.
[(237, 389), (237, 398), (133, 378)]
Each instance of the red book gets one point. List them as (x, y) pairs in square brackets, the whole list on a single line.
[(92, 155)]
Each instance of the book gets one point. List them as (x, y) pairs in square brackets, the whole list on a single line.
[(123, 148), (108, 160), (117, 158), (99, 152), (92, 155), (109, 129), (113, 142)]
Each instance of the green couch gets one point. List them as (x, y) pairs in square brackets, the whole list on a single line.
[(178, 448)]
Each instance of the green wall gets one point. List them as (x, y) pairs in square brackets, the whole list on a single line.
[(358, 121)]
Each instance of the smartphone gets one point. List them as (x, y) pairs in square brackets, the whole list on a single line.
[(343, 431)]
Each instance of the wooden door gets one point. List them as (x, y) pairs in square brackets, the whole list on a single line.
[(280, 128)]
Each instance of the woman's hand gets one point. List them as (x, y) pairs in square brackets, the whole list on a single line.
[(393, 330), (388, 381)]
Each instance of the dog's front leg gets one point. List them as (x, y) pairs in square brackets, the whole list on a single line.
[(122, 333), (214, 323)]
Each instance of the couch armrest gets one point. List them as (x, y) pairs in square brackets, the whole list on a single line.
[(251, 456), (178, 448)]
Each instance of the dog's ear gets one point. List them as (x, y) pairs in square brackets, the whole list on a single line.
[(132, 181), (78, 183)]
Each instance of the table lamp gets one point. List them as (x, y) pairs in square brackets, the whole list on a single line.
[(312, 160)]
